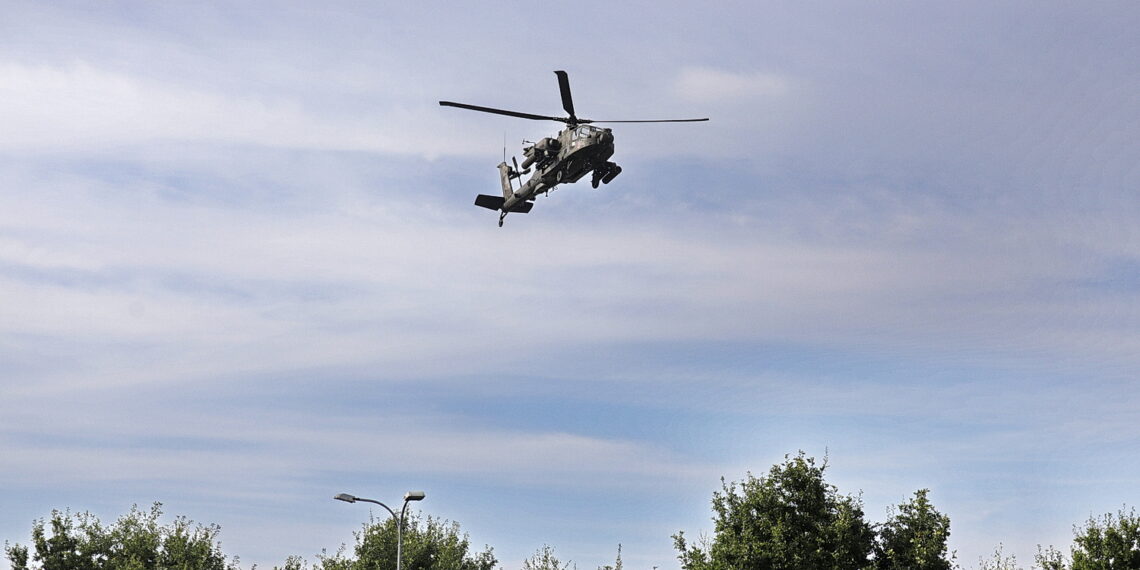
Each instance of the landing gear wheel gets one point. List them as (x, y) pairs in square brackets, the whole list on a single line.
[(501, 216)]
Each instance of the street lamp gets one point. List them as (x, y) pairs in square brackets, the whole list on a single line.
[(409, 496)]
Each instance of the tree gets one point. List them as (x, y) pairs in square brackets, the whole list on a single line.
[(1108, 543), (428, 544), (292, 562), (914, 537), (790, 519), (544, 559), (999, 561), (617, 565), (1049, 559), (135, 542), (1111, 543)]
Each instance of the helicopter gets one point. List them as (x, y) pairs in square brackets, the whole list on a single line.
[(577, 150)]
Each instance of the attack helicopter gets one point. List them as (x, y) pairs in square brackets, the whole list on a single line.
[(577, 150)]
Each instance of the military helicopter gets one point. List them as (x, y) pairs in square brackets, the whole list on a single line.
[(574, 152)]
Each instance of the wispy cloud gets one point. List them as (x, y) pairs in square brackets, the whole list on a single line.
[(80, 107), (704, 85)]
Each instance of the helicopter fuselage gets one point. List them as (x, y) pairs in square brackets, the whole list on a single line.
[(579, 149)]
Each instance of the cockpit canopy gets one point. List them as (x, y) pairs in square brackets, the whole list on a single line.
[(585, 131)]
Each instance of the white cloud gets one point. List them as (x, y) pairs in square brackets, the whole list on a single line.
[(194, 443), (356, 281), (83, 107), (705, 85)]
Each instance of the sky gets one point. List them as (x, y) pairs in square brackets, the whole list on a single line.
[(241, 270)]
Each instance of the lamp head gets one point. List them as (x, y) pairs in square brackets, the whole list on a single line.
[(414, 496), (345, 497)]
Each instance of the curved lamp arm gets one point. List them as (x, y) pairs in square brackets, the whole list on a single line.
[(352, 499), (409, 496)]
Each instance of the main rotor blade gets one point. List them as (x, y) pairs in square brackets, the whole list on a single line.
[(503, 112), (567, 100), (648, 121)]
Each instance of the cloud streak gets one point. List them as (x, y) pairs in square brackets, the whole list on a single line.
[(81, 107), (701, 85)]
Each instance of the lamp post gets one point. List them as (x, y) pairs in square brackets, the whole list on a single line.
[(409, 496)]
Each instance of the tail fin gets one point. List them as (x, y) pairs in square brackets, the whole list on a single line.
[(505, 178)]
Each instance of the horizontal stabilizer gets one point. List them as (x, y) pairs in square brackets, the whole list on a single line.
[(489, 202), (496, 203)]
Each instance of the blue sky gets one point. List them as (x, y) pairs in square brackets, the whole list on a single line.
[(241, 271)]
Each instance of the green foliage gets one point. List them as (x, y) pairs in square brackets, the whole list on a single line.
[(999, 561), (429, 544), (135, 542), (617, 562), (544, 559), (791, 519), (17, 556), (1049, 559), (292, 563), (914, 537), (1109, 543)]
